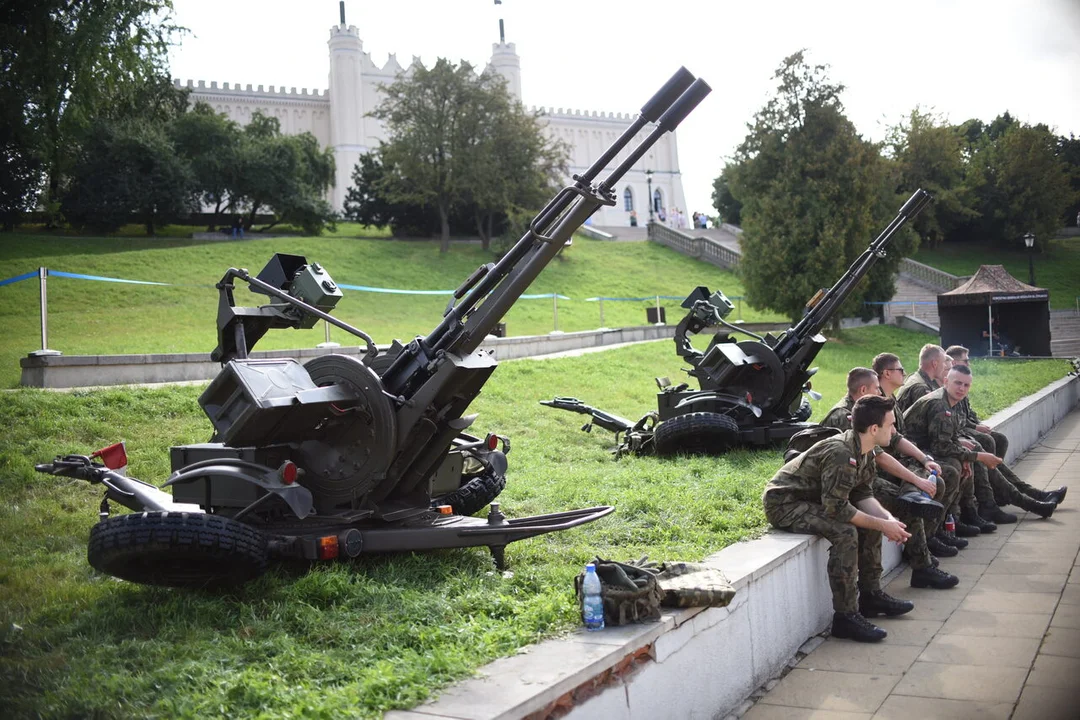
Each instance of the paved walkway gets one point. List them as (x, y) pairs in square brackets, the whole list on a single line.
[(1004, 643)]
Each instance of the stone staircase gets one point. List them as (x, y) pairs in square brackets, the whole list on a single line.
[(1064, 333), (914, 299)]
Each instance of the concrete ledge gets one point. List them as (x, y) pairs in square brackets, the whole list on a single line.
[(722, 654), (910, 322)]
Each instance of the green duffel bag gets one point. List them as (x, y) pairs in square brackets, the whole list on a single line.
[(630, 591)]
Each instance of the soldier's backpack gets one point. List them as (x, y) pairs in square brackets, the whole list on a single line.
[(803, 440), (630, 591), (688, 584)]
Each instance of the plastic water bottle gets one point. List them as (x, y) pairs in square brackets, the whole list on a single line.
[(933, 479), (592, 605)]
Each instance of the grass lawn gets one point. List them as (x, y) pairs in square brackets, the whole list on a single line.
[(355, 639), (88, 317), (1057, 269)]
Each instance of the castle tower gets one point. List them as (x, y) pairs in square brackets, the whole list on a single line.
[(505, 61), (346, 105)]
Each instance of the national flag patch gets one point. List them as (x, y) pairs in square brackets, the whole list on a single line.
[(948, 413), (853, 462)]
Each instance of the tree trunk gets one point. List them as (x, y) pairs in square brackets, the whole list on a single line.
[(485, 239), (444, 228)]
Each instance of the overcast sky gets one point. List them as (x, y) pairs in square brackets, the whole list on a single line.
[(960, 58)]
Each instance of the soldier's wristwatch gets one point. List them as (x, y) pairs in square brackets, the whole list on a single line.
[(927, 458)]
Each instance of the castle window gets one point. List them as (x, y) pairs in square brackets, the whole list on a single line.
[(628, 199), (657, 200)]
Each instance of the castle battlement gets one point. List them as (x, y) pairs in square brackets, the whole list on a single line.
[(200, 86), (574, 114)]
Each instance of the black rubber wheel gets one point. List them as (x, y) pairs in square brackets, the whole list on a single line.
[(178, 549), (804, 412), (702, 433), (474, 494)]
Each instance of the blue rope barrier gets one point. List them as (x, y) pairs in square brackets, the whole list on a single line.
[(17, 278)]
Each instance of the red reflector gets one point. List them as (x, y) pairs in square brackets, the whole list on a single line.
[(749, 398), (288, 472), (328, 547), (114, 456), (492, 441)]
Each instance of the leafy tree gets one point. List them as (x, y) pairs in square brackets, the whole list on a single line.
[(814, 194), (929, 153), (725, 203), (211, 143), (1068, 149), (74, 60), (128, 168), (366, 201)]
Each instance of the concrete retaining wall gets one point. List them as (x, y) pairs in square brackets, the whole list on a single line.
[(699, 663)]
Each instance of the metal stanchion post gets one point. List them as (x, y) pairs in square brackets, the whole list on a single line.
[(555, 312), (42, 274), (327, 343), (601, 301), (658, 320)]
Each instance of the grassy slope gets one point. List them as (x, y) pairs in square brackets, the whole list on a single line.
[(88, 317), (1057, 269), (356, 639)]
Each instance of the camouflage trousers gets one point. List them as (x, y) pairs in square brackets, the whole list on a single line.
[(886, 490), (855, 555), (962, 494), (950, 492), (996, 444)]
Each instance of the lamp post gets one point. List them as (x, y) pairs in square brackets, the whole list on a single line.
[(648, 182), (1029, 241)]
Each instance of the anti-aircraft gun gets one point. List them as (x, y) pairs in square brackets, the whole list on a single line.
[(343, 455), (751, 391)]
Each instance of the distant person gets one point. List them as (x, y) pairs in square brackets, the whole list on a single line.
[(633, 218), (661, 216), (237, 229)]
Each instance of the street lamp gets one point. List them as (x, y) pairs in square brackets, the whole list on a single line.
[(1029, 241), (648, 182)]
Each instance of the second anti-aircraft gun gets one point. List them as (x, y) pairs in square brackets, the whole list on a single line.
[(344, 455), (751, 392)]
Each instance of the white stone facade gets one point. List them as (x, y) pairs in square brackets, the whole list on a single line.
[(339, 119)]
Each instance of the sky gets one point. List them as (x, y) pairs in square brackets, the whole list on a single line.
[(958, 58)]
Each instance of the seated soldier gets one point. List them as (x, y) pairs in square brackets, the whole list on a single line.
[(894, 496), (827, 491), (933, 364), (993, 441), (934, 424)]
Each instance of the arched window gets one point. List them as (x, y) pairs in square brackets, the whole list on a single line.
[(628, 199), (657, 200)]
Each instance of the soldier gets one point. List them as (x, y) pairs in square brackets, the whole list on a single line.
[(993, 441), (896, 486), (934, 424), (933, 365), (827, 491)]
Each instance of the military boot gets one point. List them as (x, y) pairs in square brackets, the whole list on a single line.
[(1042, 509), (1058, 495), (965, 531), (931, 577), (940, 549), (953, 541), (855, 627), (969, 516), (995, 514), (877, 602)]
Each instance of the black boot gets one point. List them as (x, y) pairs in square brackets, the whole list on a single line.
[(940, 549), (877, 602), (956, 542), (996, 515), (1042, 509), (931, 577), (965, 531), (920, 506), (855, 627), (969, 516), (1056, 496)]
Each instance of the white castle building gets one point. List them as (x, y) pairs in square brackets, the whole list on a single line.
[(338, 118)]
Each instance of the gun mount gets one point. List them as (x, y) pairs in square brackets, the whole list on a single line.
[(750, 391), (343, 455)]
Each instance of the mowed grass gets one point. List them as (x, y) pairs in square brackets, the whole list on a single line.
[(355, 639), (90, 317), (1057, 268)]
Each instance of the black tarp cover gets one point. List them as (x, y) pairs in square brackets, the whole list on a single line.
[(1020, 313)]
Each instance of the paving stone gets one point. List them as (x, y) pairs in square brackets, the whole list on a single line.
[(1071, 595), (1044, 703), (1030, 566), (929, 604), (1066, 616), (1046, 548), (1061, 641), (963, 682), (972, 554), (848, 692), (907, 630), (908, 707), (988, 624), (763, 711), (1023, 583), (885, 658), (1054, 671), (1003, 602), (981, 650)]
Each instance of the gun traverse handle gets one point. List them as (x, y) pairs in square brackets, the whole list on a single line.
[(684, 105), (668, 94)]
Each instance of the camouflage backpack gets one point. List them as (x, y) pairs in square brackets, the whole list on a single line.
[(803, 440), (694, 585), (630, 591)]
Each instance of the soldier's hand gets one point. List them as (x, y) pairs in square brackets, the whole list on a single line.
[(965, 472), (986, 429), (933, 467), (894, 530), (926, 486), (989, 460), (968, 444)]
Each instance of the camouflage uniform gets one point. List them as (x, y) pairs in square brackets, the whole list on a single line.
[(994, 443), (935, 425), (915, 386), (887, 488), (815, 493)]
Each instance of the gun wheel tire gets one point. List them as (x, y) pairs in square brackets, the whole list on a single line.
[(475, 494), (702, 433), (804, 412), (178, 549)]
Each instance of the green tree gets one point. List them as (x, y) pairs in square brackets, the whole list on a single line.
[(74, 60), (725, 203), (367, 203), (210, 142), (1068, 150), (814, 194), (929, 153)]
